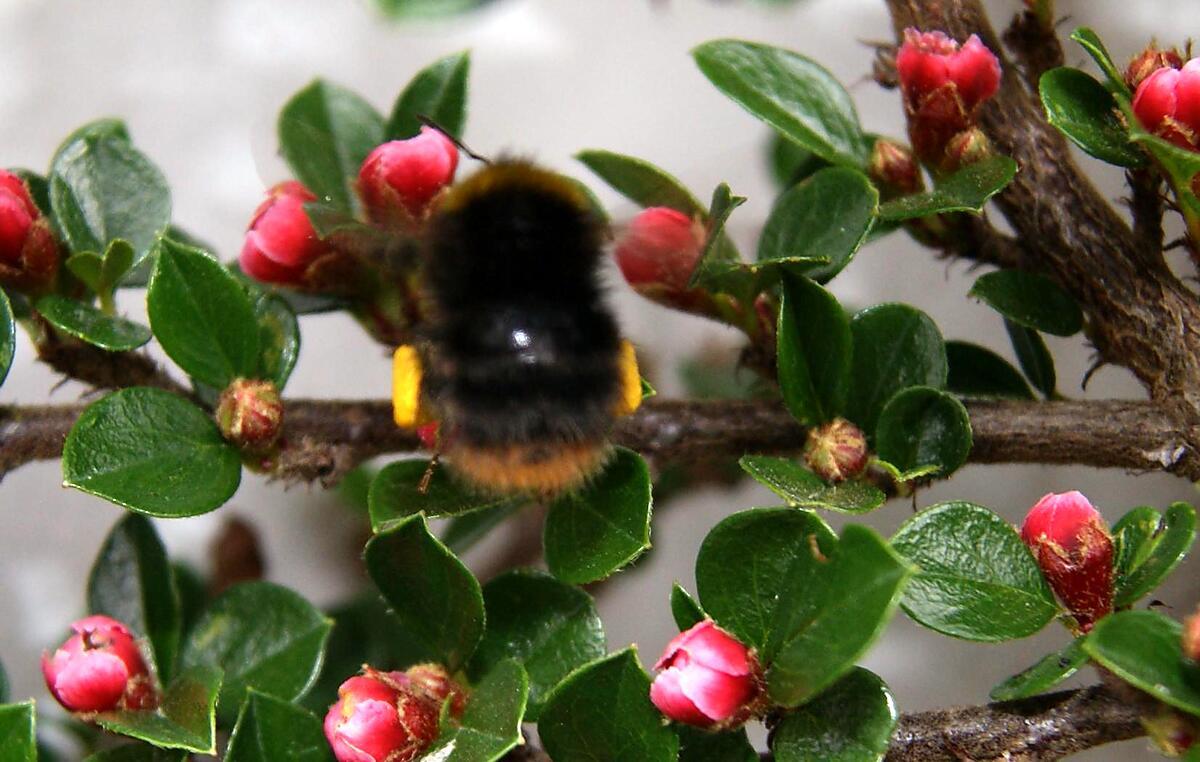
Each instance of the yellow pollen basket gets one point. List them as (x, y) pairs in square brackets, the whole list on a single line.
[(406, 386), (630, 381)]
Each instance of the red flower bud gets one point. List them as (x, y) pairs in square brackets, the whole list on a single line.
[(1191, 636), (28, 251), (379, 718), (1074, 549), (1167, 103), (708, 679), (435, 683), (250, 414), (894, 169), (400, 179), (1149, 61), (658, 252), (836, 451), (99, 668), (281, 242)]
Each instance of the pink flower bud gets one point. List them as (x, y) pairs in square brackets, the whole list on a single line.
[(1167, 103), (894, 170), (1191, 636), (17, 215), (379, 718), (400, 179), (708, 679), (1074, 549), (836, 451), (281, 242), (658, 252), (1149, 61), (28, 250), (250, 414), (99, 668)]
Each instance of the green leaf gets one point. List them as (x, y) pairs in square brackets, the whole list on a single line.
[(118, 259), (435, 596), (754, 566), (1133, 540), (790, 92), (202, 316), (3, 685), (1143, 649), (439, 92), (396, 494), (1156, 557), (602, 713), (550, 628), (89, 324), (974, 371), (404, 10), (17, 732), (719, 267), (186, 719), (851, 721), (829, 626), (463, 531), (138, 752), (640, 181), (895, 347), (791, 162), (152, 452), (826, 217), (325, 133), (802, 488), (592, 533), (102, 189), (921, 427), (697, 745), (1034, 357), (278, 338), (684, 608), (270, 729), (976, 579), (1090, 41), (264, 637), (1050, 670), (8, 336), (1086, 112), (967, 190), (1030, 300), (491, 724), (814, 350), (132, 581)]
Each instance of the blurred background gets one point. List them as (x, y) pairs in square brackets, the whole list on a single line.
[(199, 83)]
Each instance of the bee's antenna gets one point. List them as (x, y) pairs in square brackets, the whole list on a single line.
[(428, 122)]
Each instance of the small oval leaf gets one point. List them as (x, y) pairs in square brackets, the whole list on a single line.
[(1086, 112), (439, 92), (1143, 648), (1030, 300), (975, 371), (1050, 670), (89, 324), (804, 489), (921, 427), (851, 721), (814, 349)]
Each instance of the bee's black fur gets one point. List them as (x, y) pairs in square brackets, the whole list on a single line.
[(522, 348)]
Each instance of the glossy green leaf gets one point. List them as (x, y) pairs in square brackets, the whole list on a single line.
[(549, 627), (271, 729), (1086, 112), (434, 595), (976, 579), (975, 371), (1155, 558), (89, 324), (792, 93), (325, 133), (851, 721), (1143, 649), (802, 488), (491, 723), (967, 190), (719, 267), (1134, 537), (827, 216), (396, 494), (8, 336), (814, 350), (88, 267), (404, 10), (754, 566), (202, 316), (152, 452), (278, 338), (18, 738), (592, 533), (921, 427), (579, 723), (1030, 300), (1049, 671), (640, 181), (132, 581), (1090, 41), (1034, 357), (264, 637), (186, 718), (102, 189), (138, 752), (895, 346), (684, 608), (119, 257), (827, 627), (791, 162), (464, 530), (439, 92), (697, 745)]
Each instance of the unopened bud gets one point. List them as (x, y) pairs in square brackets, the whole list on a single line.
[(708, 678), (281, 242), (378, 718), (435, 683), (1191, 636), (1167, 103), (836, 451), (100, 668), (399, 179), (250, 414), (964, 149), (1149, 61), (657, 254), (1074, 550), (28, 250), (894, 169)]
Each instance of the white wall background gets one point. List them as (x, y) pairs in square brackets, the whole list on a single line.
[(199, 82)]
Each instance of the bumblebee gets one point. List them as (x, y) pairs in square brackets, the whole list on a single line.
[(521, 363)]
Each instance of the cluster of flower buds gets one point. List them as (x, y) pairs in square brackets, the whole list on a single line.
[(1074, 548), (944, 86), (28, 251), (1167, 99), (708, 679), (250, 414), (100, 668), (391, 716)]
